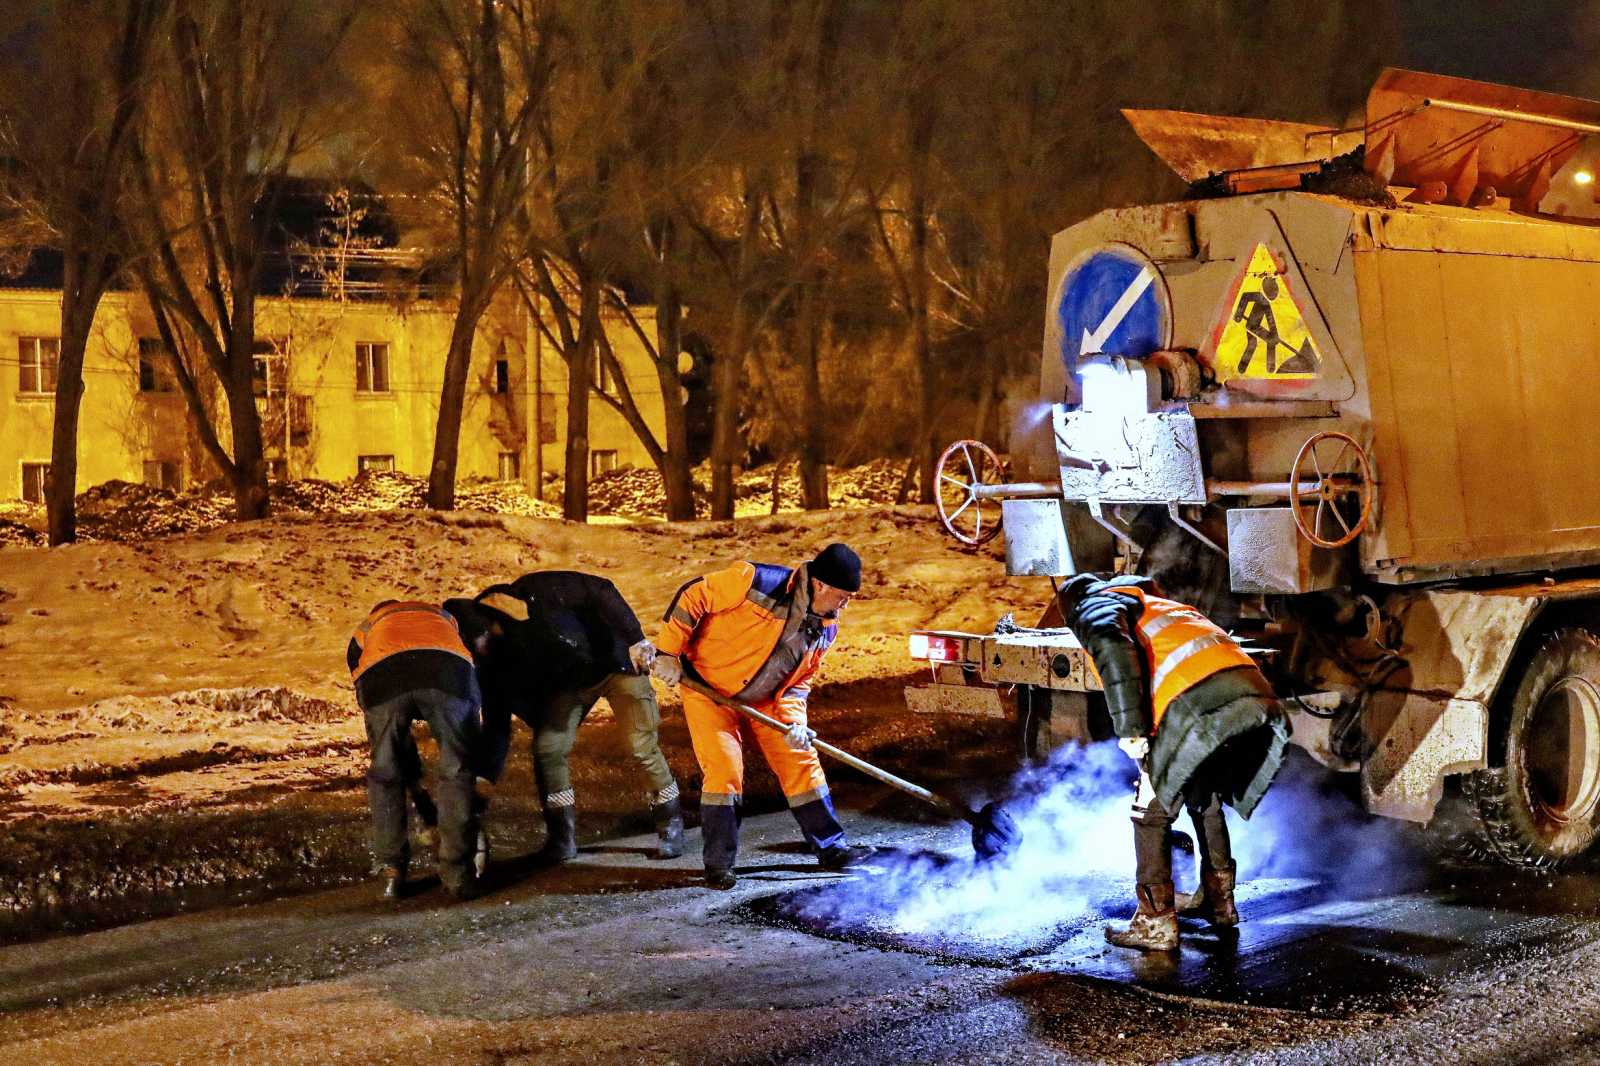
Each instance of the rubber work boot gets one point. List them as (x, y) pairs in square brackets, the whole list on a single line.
[(669, 829), (1213, 899), (466, 887), (844, 856), (717, 877), (561, 836), (1155, 924), (394, 882)]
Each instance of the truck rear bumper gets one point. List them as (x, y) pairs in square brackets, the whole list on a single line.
[(983, 701)]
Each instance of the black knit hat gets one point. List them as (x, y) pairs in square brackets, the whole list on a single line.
[(839, 567)]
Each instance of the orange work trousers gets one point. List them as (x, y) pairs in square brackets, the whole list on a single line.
[(716, 735)]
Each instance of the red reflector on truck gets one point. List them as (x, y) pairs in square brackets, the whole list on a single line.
[(935, 649)]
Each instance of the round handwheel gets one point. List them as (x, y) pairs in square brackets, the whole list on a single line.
[(964, 466), (1337, 507)]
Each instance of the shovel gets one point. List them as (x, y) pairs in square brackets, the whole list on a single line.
[(994, 832)]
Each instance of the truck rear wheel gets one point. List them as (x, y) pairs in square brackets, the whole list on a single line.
[(1542, 808)]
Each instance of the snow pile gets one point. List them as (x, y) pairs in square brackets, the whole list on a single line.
[(637, 492), (123, 511), (634, 492), (21, 534), (126, 511)]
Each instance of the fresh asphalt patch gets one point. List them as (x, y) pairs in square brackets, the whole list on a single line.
[(1303, 945)]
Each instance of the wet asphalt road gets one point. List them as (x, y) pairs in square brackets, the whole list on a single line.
[(619, 959)]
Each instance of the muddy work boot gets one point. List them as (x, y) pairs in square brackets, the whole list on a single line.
[(561, 836), (394, 883), (669, 829), (463, 886), (1212, 901), (720, 878), (1155, 924)]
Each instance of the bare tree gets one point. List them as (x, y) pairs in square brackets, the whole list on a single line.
[(662, 154), (236, 111), (68, 127), (742, 297), (926, 51), (747, 282), (574, 245), (468, 81)]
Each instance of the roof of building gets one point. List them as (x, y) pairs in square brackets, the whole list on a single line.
[(327, 239)]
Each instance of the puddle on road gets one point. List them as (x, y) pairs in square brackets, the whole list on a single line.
[(1304, 945)]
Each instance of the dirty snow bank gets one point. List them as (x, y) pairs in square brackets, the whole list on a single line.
[(199, 679)]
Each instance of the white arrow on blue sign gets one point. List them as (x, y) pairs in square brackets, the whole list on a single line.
[(1112, 299)]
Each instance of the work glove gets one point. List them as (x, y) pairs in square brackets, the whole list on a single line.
[(667, 668), (798, 737), (642, 655), (1136, 747)]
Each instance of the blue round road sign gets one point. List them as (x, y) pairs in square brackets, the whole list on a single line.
[(1112, 299)]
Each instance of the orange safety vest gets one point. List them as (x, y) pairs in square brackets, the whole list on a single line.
[(1183, 647), (726, 623), (408, 625)]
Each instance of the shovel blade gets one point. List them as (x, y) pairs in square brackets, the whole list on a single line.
[(994, 833)]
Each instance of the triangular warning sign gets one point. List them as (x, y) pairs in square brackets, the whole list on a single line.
[(1264, 334)]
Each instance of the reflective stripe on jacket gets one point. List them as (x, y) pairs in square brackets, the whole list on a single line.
[(406, 626), (1182, 646), (727, 624)]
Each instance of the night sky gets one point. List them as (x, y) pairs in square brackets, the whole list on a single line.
[(1532, 44)]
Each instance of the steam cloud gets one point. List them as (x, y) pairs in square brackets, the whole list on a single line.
[(1076, 859)]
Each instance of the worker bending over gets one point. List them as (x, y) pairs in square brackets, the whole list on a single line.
[(1202, 722), (559, 641), (757, 633), (409, 662)]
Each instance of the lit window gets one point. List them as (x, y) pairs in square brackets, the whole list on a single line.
[(602, 461), (155, 374), (277, 470), (372, 464), (372, 367), (161, 474), (37, 358), (510, 466), (35, 481), (266, 367), (299, 418)]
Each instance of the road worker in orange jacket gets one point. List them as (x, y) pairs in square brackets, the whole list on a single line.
[(1195, 712), (408, 661), (757, 633)]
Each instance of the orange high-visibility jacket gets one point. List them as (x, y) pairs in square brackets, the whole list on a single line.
[(408, 625), (726, 624), (1182, 648)]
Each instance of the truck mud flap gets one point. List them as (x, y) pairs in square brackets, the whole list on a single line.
[(1427, 739)]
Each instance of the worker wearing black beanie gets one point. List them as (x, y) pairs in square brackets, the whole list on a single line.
[(757, 633), (838, 566)]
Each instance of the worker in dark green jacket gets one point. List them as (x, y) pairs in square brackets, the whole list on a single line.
[(558, 642), (1193, 709)]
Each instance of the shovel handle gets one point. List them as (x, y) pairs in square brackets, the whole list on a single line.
[(840, 754)]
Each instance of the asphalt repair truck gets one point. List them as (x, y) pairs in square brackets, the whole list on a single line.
[(1338, 398)]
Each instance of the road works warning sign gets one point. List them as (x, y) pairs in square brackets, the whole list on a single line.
[(1263, 333)]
